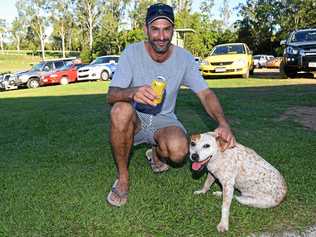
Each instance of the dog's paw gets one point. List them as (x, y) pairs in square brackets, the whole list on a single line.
[(222, 227), (201, 191)]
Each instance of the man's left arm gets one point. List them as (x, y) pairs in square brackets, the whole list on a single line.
[(212, 106)]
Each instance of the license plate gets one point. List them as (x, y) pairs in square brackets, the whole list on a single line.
[(220, 69), (312, 64)]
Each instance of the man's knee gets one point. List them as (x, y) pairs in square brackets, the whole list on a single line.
[(178, 150), (122, 114)]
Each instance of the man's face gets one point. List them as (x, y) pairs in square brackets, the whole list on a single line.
[(160, 35)]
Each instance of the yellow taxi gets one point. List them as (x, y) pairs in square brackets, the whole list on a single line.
[(228, 60)]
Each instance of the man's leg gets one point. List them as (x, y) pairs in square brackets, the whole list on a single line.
[(124, 123), (172, 144)]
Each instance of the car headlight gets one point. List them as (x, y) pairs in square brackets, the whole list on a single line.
[(240, 63), (291, 50), (205, 62)]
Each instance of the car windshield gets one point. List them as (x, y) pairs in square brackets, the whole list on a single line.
[(38, 67), (256, 57), (302, 36), (104, 60), (228, 49)]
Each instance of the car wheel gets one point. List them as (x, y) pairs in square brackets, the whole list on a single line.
[(64, 81), (104, 76), (246, 75), (251, 71), (289, 72), (33, 83)]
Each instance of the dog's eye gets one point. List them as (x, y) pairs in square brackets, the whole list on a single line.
[(192, 143), (206, 146)]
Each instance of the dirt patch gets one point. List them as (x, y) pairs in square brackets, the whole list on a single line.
[(302, 114)]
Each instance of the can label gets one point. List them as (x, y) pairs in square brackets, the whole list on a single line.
[(158, 85)]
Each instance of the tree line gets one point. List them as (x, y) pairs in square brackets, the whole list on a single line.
[(100, 27)]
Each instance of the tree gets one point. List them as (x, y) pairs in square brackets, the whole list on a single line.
[(181, 5), (138, 13), (89, 13), (62, 19), (18, 31), (226, 14), (35, 12), (3, 29), (259, 24), (206, 10), (296, 14)]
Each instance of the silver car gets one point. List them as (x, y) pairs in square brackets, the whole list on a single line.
[(101, 68)]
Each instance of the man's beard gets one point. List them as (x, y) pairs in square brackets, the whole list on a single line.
[(158, 49)]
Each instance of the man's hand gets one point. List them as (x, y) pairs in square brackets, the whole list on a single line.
[(145, 95), (226, 134)]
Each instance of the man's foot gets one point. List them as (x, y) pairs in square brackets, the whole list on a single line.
[(155, 163), (117, 198)]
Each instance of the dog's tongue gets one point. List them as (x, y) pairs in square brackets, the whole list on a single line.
[(196, 166)]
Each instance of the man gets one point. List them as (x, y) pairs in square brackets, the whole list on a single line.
[(139, 64)]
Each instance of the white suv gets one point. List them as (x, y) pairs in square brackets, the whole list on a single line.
[(101, 68), (260, 60)]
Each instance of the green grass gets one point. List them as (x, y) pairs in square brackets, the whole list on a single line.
[(56, 165), (13, 63)]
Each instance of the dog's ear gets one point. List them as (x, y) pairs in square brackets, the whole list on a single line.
[(221, 143), (195, 137)]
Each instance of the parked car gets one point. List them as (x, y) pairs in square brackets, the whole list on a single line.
[(300, 52), (101, 68), (62, 76), (32, 77), (228, 59), (7, 82), (274, 62), (260, 60)]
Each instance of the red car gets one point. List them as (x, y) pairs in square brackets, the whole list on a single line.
[(62, 76)]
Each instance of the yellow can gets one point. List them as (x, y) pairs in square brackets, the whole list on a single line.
[(159, 85)]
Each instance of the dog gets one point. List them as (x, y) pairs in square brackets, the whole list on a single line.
[(241, 168)]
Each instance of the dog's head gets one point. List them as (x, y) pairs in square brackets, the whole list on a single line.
[(202, 148)]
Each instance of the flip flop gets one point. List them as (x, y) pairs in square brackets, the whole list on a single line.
[(121, 197), (155, 166)]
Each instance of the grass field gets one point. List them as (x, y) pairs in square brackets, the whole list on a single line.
[(56, 165), (14, 63)]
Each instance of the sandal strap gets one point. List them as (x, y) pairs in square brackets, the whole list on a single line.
[(119, 194)]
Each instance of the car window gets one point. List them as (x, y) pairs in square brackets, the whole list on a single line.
[(48, 67), (105, 60), (66, 67), (302, 36), (38, 67), (228, 49), (59, 64)]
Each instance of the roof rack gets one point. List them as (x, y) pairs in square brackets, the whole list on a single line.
[(59, 59)]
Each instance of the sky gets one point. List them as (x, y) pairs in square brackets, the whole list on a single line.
[(8, 10)]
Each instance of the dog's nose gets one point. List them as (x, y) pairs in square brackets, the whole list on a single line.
[(195, 156)]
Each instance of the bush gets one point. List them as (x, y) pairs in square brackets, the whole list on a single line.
[(86, 56)]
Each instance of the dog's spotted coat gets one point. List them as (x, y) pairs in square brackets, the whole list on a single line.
[(260, 184)]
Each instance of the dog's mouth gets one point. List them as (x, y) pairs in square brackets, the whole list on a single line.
[(197, 166)]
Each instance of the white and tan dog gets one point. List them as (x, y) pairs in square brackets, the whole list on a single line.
[(260, 184)]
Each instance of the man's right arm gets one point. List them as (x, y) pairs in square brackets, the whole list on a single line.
[(116, 94), (142, 94)]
